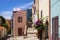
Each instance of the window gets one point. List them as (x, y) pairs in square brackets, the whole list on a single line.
[(19, 19)]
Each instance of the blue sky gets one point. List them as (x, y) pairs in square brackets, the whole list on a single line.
[(7, 6)]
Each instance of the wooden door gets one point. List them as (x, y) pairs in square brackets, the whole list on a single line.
[(55, 28), (19, 31)]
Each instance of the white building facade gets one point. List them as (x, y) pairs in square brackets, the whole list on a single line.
[(41, 8)]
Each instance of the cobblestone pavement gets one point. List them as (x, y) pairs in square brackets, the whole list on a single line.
[(30, 36), (22, 38)]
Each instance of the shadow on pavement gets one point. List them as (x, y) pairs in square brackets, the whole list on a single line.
[(5, 38)]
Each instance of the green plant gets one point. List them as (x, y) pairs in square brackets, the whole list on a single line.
[(40, 27), (5, 25), (3, 22)]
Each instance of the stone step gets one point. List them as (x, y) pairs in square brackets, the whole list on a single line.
[(31, 31), (21, 38), (31, 35)]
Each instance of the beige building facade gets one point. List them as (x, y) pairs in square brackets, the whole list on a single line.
[(42, 9), (35, 11)]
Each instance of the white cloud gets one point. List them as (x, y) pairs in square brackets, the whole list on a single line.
[(6, 14), (28, 5)]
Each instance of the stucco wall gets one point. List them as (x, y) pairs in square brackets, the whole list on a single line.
[(44, 7), (16, 24), (55, 11), (36, 10)]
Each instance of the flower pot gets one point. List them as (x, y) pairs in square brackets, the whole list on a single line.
[(38, 34)]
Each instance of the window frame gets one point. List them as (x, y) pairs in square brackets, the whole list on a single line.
[(20, 19)]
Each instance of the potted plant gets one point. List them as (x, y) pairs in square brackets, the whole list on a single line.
[(40, 27)]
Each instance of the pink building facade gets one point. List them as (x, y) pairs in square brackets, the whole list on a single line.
[(19, 22)]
